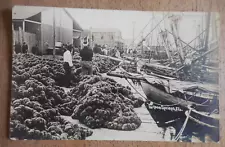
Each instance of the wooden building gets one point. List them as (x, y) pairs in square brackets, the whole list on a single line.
[(39, 25)]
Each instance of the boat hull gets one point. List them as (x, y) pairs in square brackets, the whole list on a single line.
[(165, 116), (165, 108), (159, 96), (209, 121)]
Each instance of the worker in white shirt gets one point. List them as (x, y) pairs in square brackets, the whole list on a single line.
[(68, 64), (105, 51)]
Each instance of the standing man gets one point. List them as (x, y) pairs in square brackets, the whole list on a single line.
[(105, 52), (117, 54), (86, 59), (24, 48), (35, 49), (18, 47), (95, 49), (71, 48), (121, 52), (114, 52), (68, 64), (46, 46)]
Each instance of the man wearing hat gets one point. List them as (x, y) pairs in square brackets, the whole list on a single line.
[(86, 58), (24, 48)]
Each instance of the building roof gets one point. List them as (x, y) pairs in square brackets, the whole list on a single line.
[(75, 24), (23, 12)]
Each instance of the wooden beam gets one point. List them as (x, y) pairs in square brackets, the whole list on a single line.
[(17, 20), (32, 21), (23, 27), (209, 67), (23, 31), (77, 30), (114, 74), (187, 44), (13, 31), (200, 57)]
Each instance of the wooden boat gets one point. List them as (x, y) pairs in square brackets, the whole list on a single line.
[(200, 112), (169, 99), (167, 108), (174, 102)]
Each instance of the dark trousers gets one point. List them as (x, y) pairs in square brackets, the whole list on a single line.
[(17, 50), (86, 67), (68, 75)]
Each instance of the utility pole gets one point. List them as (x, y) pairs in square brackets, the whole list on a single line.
[(214, 28), (53, 33), (142, 45), (198, 41), (133, 32)]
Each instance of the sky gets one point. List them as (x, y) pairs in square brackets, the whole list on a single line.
[(133, 22), (129, 22)]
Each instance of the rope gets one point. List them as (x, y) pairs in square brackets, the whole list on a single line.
[(202, 123), (151, 20), (146, 99), (155, 26), (184, 126), (151, 101), (135, 89), (205, 102), (154, 102), (115, 67)]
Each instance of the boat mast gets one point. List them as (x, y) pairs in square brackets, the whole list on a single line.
[(164, 37), (174, 27), (214, 28), (207, 35), (142, 47), (133, 34)]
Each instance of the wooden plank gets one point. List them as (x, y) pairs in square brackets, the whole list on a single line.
[(200, 57), (32, 21), (159, 66), (113, 58)]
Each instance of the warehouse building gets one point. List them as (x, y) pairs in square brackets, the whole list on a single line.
[(36, 26), (109, 37)]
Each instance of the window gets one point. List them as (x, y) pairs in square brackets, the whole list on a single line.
[(102, 37)]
